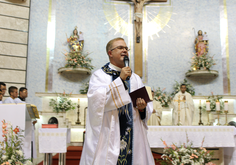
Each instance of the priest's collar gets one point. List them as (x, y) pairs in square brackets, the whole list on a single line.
[(114, 67)]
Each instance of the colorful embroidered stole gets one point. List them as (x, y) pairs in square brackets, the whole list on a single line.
[(126, 123)]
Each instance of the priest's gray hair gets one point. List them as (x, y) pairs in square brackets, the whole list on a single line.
[(110, 43)]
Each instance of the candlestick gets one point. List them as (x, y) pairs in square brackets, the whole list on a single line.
[(217, 105), (200, 115), (218, 113), (199, 102), (208, 114), (226, 106), (208, 108), (226, 122), (78, 112)]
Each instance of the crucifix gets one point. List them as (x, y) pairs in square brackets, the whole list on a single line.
[(138, 46)]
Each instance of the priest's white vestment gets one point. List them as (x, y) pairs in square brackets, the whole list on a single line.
[(102, 139), (186, 108)]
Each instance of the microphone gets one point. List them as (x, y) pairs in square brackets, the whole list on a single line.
[(126, 62)]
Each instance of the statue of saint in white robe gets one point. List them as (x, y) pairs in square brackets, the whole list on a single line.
[(186, 108), (102, 140)]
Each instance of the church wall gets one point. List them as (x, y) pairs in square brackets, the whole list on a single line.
[(231, 7), (36, 68), (168, 54), (14, 22), (68, 15), (175, 47)]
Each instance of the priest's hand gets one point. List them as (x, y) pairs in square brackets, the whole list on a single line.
[(125, 72), (140, 103), (184, 98)]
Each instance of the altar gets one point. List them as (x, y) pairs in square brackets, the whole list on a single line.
[(220, 139), (167, 132)]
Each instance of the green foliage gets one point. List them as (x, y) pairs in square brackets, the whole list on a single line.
[(162, 97), (185, 154), (203, 62), (213, 99), (11, 147), (85, 88), (190, 89), (78, 59), (62, 103)]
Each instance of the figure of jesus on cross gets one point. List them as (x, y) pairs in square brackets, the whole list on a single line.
[(138, 17), (138, 20)]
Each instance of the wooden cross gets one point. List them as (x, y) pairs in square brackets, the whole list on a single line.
[(138, 46), (179, 101)]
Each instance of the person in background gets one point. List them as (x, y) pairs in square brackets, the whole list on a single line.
[(156, 116), (23, 94), (3, 88), (13, 92), (186, 107)]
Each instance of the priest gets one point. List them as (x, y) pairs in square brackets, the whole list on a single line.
[(116, 132), (186, 107)]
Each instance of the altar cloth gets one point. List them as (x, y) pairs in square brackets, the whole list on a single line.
[(53, 140), (214, 136)]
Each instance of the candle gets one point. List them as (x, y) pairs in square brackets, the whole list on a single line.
[(217, 105), (199, 102), (208, 105), (226, 105)]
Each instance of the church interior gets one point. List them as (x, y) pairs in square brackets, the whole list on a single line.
[(52, 47)]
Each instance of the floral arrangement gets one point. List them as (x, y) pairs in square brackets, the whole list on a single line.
[(190, 89), (185, 155), (213, 98), (162, 97), (85, 88), (203, 62), (62, 103), (78, 59), (11, 150)]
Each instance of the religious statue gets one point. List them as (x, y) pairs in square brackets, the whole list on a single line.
[(138, 17), (75, 43), (201, 43), (186, 108)]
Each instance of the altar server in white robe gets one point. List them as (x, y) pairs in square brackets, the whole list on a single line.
[(186, 107), (116, 132), (13, 92)]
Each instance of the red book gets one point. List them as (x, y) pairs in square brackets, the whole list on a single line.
[(144, 92), (49, 125)]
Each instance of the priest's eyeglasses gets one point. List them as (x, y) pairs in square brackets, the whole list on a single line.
[(121, 48)]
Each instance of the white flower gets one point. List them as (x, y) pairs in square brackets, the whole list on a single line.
[(123, 144), (176, 154), (19, 152), (10, 161), (28, 162), (13, 157), (4, 157)]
